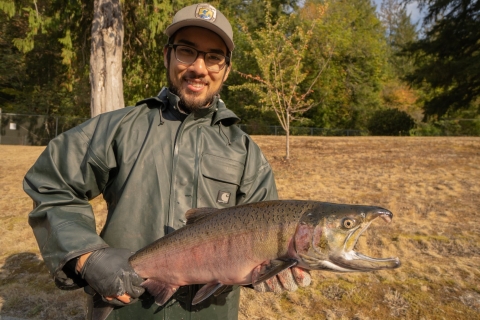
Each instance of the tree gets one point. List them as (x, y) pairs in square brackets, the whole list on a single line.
[(447, 58), (12, 64), (279, 51), (349, 89), (42, 34), (54, 36), (252, 14), (106, 57), (399, 32)]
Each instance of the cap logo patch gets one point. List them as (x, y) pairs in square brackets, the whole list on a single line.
[(206, 12)]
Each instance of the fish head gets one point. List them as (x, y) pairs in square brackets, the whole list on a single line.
[(326, 237)]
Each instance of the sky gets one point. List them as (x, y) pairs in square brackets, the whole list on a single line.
[(412, 8), (416, 15)]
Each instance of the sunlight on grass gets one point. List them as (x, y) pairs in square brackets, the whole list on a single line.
[(430, 184)]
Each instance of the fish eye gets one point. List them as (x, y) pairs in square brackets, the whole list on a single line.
[(348, 223)]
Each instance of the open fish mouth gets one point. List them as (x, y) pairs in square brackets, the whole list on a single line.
[(350, 260)]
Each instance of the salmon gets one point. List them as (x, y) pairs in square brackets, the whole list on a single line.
[(248, 244)]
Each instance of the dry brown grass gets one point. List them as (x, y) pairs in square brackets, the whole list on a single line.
[(430, 184)]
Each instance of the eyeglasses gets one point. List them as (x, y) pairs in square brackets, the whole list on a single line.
[(188, 55)]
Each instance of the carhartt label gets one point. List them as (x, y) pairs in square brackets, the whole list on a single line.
[(223, 197)]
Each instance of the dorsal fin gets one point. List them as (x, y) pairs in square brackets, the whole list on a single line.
[(196, 214)]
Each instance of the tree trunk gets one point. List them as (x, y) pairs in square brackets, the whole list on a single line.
[(106, 57), (287, 136)]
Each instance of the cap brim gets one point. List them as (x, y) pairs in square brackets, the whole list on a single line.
[(174, 27)]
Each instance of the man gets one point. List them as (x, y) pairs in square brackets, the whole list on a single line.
[(152, 163)]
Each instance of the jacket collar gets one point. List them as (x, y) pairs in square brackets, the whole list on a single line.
[(217, 109), (173, 101), (224, 115)]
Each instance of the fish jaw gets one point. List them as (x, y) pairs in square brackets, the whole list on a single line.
[(326, 237), (349, 259), (354, 261)]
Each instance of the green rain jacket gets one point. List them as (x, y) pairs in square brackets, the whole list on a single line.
[(151, 163)]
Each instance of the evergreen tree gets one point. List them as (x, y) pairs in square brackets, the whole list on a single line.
[(447, 58), (399, 32), (12, 62), (52, 80)]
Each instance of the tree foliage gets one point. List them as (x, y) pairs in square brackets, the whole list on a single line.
[(350, 87), (45, 49), (447, 58), (46, 36), (399, 32)]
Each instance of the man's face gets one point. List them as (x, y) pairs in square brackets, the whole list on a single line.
[(195, 84)]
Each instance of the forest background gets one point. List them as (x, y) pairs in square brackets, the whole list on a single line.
[(377, 70)]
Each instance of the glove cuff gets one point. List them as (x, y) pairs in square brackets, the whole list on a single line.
[(93, 256)]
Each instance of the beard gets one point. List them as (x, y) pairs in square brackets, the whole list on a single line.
[(189, 103)]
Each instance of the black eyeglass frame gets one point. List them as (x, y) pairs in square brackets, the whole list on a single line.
[(175, 45)]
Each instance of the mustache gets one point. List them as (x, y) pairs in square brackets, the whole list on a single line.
[(192, 76)]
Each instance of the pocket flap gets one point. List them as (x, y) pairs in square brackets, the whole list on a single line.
[(222, 169)]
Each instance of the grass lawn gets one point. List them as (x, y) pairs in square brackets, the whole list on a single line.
[(431, 184)]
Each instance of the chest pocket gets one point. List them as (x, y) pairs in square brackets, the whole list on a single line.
[(219, 181)]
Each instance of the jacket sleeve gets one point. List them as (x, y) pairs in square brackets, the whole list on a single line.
[(258, 183), (68, 174)]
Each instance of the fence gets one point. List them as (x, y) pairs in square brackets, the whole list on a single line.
[(33, 130), (38, 130), (299, 131)]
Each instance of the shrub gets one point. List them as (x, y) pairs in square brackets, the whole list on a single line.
[(461, 127), (390, 122)]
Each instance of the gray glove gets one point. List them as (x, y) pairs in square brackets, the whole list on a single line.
[(108, 272)]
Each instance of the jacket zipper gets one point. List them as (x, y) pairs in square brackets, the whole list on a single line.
[(196, 166), (173, 196)]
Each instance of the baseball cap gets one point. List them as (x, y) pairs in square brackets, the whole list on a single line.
[(206, 16)]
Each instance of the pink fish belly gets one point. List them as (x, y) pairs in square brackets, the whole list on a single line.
[(229, 260)]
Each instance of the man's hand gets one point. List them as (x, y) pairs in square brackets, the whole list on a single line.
[(287, 280), (109, 273)]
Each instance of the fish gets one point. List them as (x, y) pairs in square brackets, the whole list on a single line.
[(251, 243)]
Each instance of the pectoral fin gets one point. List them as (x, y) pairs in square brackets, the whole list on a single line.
[(160, 290), (98, 309), (221, 290), (265, 272), (207, 290)]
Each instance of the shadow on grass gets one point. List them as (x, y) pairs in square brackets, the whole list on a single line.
[(27, 290), (17, 265)]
